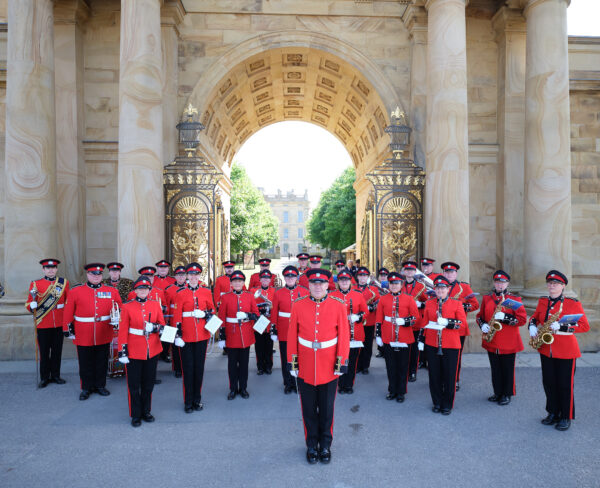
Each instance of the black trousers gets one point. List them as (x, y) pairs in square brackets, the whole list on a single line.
[(347, 379), (396, 364), (193, 355), (414, 354), (462, 346), (93, 363), (288, 379), (165, 352), (176, 355), (503, 373), (264, 351), (141, 374), (50, 343), (237, 367), (443, 372), (364, 358), (317, 412), (558, 376)]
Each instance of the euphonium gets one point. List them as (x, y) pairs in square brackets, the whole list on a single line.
[(544, 334), (495, 325)]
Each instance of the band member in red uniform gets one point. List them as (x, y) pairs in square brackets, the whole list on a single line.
[(356, 310), (302, 263), (397, 312), (340, 266), (139, 346), (193, 307), (315, 263), (170, 295), (462, 291), (559, 351), (264, 294), (504, 344), (382, 277), (318, 349), (427, 268), (442, 320), (371, 296), (264, 264), (86, 320), (238, 311), (280, 319), (162, 279), (46, 300), (222, 283)]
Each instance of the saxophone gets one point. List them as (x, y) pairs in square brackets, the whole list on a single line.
[(495, 325), (544, 334)]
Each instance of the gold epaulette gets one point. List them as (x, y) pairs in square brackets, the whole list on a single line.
[(338, 299), (572, 298), (301, 298)]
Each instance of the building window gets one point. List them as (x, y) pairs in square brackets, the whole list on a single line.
[(300, 233), (286, 216), (286, 233), (286, 248), (300, 247), (300, 217)]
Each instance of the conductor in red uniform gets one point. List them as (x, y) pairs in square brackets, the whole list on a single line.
[(501, 345), (139, 346), (559, 356), (318, 348), (86, 320)]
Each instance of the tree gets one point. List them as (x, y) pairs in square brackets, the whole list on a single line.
[(333, 223), (253, 224)]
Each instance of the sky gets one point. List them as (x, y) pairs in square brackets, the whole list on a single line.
[(299, 155)]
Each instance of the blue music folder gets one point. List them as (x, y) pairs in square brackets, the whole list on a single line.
[(570, 319), (512, 304)]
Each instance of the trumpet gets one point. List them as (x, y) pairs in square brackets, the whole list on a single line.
[(115, 315), (266, 301)]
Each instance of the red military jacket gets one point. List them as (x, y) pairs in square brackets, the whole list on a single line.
[(318, 321), (282, 308), (460, 290), (155, 294), (432, 276), (418, 291), (222, 286), (54, 318), (255, 281), (565, 344), (170, 294), (163, 283), (303, 281), (237, 335), (355, 303), (192, 329), (269, 294), (452, 308), (88, 307), (369, 293), (134, 316), (400, 306), (508, 340)]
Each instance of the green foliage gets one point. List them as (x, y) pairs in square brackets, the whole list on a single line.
[(253, 224), (333, 223)]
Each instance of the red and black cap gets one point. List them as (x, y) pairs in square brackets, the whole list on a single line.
[(94, 268), (179, 270), (49, 262), (237, 275), (363, 270), (115, 266), (193, 268), (344, 275), (409, 265), (228, 264), (501, 275), (163, 263), (554, 275), (142, 282), (427, 261), (394, 277), (315, 258), (147, 270), (450, 266), (302, 255), (264, 261), (265, 273), (383, 271), (315, 275), (340, 262), (290, 271), (441, 281)]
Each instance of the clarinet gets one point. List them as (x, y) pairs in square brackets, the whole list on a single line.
[(196, 304), (351, 323), (439, 351)]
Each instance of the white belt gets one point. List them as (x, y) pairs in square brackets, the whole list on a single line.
[(317, 345), (435, 326), (398, 344), (172, 305), (558, 332), (60, 305), (138, 332), (187, 314), (285, 314), (91, 319), (234, 320)]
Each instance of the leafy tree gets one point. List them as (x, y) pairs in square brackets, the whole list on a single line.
[(253, 224), (333, 223)]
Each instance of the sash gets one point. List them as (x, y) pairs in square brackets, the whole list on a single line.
[(49, 299)]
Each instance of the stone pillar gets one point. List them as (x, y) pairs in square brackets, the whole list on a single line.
[(30, 173), (141, 206), (447, 183), (547, 144), (509, 25)]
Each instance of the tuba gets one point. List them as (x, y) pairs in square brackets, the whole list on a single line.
[(495, 325), (544, 334)]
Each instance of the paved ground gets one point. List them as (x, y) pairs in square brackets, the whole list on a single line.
[(49, 438)]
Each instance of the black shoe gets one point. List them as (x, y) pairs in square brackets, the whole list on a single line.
[(390, 396), (58, 381), (294, 389), (165, 358), (350, 390), (287, 390), (400, 398), (102, 391), (136, 422), (550, 419), (494, 398), (231, 395), (504, 400), (342, 390), (244, 394), (157, 381), (422, 365), (224, 352), (43, 383), (365, 371), (325, 455), (188, 409), (436, 409), (198, 406), (84, 395), (148, 417), (260, 372), (379, 354), (311, 455), (446, 411), (457, 386), (412, 377), (563, 424), (177, 374), (269, 370)]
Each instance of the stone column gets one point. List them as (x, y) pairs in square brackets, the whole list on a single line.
[(509, 25), (547, 144), (447, 183), (141, 206), (30, 171)]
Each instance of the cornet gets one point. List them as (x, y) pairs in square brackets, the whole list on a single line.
[(115, 315), (378, 285)]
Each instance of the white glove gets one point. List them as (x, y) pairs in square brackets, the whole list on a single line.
[(179, 342), (294, 373), (485, 328), (532, 330), (337, 373), (354, 317), (199, 314), (421, 346), (499, 315), (399, 321), (274, 338), (221, 344), (419, 304), (72, 337), (555, 326), (379, 341), (124, 360), (442, 321), (241, 316), (149, 326), (33, 305)]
